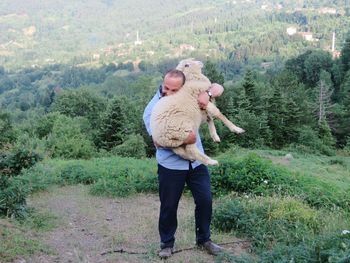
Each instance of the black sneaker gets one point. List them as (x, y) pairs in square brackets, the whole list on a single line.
[(211, 247), (165, 252)]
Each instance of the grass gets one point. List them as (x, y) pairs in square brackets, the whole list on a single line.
[(18, 238), (306, 216)]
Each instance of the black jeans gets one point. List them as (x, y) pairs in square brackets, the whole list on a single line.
[(171, 186)]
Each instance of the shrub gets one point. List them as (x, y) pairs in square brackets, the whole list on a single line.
[(12, 197), (120, 185), (309, 142), (77, 173), (13, 160), (67, 141), (268, 219), (133, 146), (251, 174)]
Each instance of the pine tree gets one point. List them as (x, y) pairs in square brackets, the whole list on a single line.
[(345, 55), (212, 73), (114, 125), (249, 87)]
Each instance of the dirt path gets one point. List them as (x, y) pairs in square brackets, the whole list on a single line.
[(88, 226)]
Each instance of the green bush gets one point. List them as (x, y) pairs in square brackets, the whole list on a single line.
[(251, 174), (310, 143), (120, 185), (14, 159), (67, 141), (255, 175), (268, 219), (285, 229), (77, 173), (124, 183), (12, 197), (133, 146)]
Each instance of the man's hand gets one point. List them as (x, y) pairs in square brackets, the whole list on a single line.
[(191, 139), (156, 144), (203, 98)]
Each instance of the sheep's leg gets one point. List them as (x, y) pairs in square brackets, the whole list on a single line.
[(212, 129), (214, 111), (191, 152)]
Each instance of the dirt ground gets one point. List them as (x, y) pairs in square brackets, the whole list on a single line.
[(92, 229)]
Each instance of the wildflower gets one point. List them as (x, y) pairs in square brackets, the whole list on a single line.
[(266, 182), (344, 232)]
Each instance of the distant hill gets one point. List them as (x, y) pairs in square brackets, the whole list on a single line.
[(93, 32)]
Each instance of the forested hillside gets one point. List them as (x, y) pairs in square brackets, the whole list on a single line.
[(232, 32)]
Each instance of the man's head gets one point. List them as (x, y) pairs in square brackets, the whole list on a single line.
[(173, 81)]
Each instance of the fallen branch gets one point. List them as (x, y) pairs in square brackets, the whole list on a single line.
[(174, 252)]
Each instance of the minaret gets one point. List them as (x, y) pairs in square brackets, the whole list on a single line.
[(333, 42), (138, 41)]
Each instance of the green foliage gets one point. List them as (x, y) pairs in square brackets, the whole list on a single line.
[(120, 185), (12, 197), (309, 142), (7, 131), (284, 230), (16, 158), (110, 173), (115, 124), (345, 54), (43, 127), (325, 135), (78, 174), (39, 220), (252, 174), (212, 73), (133, 146), (14, 244), (67, 141), (79, 103)]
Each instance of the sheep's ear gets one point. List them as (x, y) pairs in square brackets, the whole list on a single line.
[(200, 64)]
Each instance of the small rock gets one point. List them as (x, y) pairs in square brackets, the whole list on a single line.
[(289, 157)]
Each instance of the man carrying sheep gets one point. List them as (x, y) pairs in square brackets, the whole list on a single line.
[(174, 172)]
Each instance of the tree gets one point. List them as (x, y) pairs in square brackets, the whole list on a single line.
[(67, 140), (81, 103), (323, 97), (212, 73), (7, 131), (316, 61), (114, 126), (345, 54)]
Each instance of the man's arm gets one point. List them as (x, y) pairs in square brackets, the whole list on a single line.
[(215, 90), (148, 111)]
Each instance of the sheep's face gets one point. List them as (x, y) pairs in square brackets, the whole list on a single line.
[(190, 67)]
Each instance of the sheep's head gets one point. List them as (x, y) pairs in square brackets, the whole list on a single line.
[(196, 82), (191, 68)]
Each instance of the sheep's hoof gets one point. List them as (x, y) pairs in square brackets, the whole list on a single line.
[(239, 130), (216, 138), (213, 162)]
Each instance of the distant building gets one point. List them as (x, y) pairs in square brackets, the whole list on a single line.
[(187, 47), (306, 35), (327, 10), (96, 56), (336, 54), (266, 65), (279, 6), (291, 31)]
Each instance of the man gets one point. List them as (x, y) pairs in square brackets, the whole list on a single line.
[(174, 172)]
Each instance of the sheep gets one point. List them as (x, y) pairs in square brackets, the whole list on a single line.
[(175, 116)]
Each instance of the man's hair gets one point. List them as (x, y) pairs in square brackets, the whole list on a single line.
[(174, 73)]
